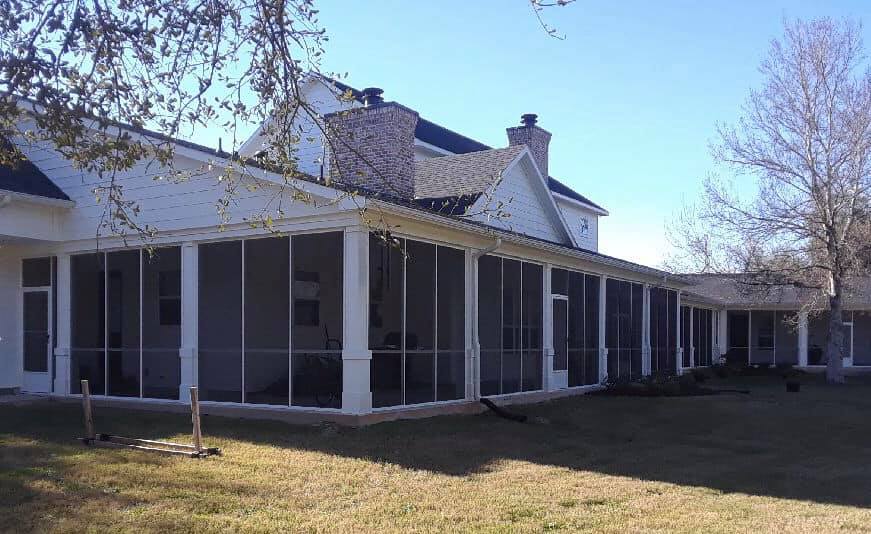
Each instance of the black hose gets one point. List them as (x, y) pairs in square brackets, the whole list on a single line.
[(501, 412)]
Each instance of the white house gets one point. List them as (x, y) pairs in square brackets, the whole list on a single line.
[(324, 320)]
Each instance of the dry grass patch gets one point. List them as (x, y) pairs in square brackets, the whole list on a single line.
[(769, 461)]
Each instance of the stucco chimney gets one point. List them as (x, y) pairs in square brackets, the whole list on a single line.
[(534, 137), (372, 147)]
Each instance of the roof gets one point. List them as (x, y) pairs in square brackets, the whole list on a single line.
[(462, 174), (733, 290), (436, 135), (26, 178), (562, 189)]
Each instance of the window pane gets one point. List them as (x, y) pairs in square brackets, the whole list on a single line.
[(532, 303), (161, 332), (419, 378), (317, 291), (451, 299), (591, 312), (861, 338), (511, 371), (267, 320), (511, 304), (220, 321), (123, 322), (36, 331), (532, 369), (88, 365), (560, 335), (161, 373), (451, 375), (123, 372), (317, 380), (420, 280), (762, 336), (36, 272), (559, 281), (386, 379), (88, 304), (489, 303), (385, 293), (491, 372), (88, 359)]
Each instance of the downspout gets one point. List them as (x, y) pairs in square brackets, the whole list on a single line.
[(492, 248), (476, 344)]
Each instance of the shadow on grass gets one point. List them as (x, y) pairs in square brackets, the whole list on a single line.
[(811, 446)]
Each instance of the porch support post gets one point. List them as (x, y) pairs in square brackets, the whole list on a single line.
[(646, 366), (603, 351), (749, 336), (802, 338), (678, 349), (722, 339), (190, 300), (692, 337), (356, 356), (547, 331), (63, 335), (473, 345)]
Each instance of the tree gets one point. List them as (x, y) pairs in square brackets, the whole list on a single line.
[(78, 68), (805, 136)]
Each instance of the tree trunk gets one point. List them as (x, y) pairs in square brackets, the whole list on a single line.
[(835, 342)]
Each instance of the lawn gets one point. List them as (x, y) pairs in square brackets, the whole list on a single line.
[(767, 461)]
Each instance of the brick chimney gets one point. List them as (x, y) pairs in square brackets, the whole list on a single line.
[(372, 147), (534, 137)]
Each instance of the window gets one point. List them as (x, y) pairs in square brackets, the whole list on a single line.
[(264, 339), (583, 327), (36, 272), (121, 344), (623, 328), (510, 302), (702, 336), (663, 330), (417, 322), (762, 323), (169, 291)]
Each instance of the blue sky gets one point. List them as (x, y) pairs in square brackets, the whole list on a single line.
[(632, 95)]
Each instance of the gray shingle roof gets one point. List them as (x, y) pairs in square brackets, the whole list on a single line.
[(26, 178), (734, 290), (461, 174)]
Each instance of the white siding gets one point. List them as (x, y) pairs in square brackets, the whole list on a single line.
[(10, 363), (582, 223), (522, 203), (310, 148), (165, 205)]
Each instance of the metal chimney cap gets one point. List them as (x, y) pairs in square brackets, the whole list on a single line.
[(529, 119), (372, 95)]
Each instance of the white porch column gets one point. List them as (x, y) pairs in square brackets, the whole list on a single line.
[(547, 331), (190, 299), (722, 335), (603, 351), (802, 338), (692, 347), (678, 349), (473, 345), (356, 356), (63, 335), (749, 335), (645, 331)]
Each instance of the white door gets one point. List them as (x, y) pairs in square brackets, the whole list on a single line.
[(560, 342), (36, 340)]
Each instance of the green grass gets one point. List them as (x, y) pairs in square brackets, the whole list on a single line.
[(768, 461)]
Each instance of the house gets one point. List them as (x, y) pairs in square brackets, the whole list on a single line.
[(327, 318)]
